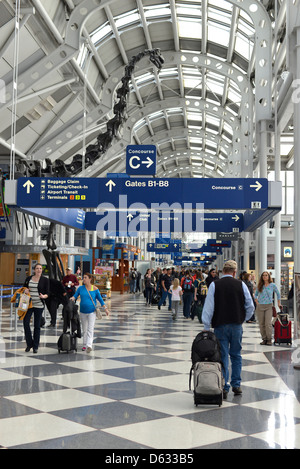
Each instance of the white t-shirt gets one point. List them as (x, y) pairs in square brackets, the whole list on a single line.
[(176, 293)]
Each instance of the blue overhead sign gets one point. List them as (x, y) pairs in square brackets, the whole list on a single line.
[(176, 193), (133, 222), (163, 248), (141, 160)]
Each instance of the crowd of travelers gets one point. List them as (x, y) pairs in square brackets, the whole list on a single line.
[(186, 287)]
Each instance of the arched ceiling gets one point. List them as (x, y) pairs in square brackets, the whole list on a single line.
[(198, 110)]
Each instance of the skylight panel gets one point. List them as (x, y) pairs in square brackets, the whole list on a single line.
[(234, 95), (127, 19), (157, 11), (222, 4), (188, 10), (189, 28), (100, 33), (144, 79), (214, 86), (217, 33), (243, 46)]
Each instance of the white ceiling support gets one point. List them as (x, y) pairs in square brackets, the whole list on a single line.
[(11, 38), (172, 58)]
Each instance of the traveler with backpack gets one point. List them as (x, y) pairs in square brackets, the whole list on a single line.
[(188, 294), (228, 304)]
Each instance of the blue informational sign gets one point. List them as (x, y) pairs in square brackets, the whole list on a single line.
[(108, 248), (220, 244), (134, 222), (141, 160), (164, 248), (142, 193)]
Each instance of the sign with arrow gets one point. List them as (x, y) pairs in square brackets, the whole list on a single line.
[(141, 160), (28, 184), (162, 194)]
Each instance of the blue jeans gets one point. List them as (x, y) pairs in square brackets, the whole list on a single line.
[(230, 338), (132, 286), (35, 340), (187, 303), (166, 294)]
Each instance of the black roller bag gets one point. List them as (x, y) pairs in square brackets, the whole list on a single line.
[(67, 342), (207, 369)]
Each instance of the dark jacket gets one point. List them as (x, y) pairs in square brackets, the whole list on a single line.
[(43, 285), (58, 291), (71, 318)]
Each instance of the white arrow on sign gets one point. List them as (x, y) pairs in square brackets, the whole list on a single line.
[(257, 185), (130, 216), (236, 218), (148, 162), (110, 184), (28, 184)]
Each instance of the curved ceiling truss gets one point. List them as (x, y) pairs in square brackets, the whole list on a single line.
[(213, 86)]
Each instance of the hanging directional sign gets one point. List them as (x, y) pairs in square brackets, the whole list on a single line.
[(163, 221), (163, 248), (114, 193), (141, 159)]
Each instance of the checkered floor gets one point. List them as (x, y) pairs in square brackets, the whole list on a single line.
[(132, 392)]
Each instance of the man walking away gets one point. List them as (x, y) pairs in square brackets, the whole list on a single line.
[(228, 304)]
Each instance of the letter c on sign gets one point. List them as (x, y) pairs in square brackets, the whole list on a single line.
[(132, 165)]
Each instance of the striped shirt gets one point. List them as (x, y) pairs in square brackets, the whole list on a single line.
[(35, 296), (265, 297)]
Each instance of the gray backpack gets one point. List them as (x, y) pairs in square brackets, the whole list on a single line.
[(208, 383)]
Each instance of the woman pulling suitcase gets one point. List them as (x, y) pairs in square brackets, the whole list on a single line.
[(264, 311), (89, 294)]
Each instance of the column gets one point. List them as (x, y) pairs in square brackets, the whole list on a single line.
[(246, 251), (263, 169)]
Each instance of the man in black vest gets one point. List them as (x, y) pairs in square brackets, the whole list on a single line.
[(228, 304)]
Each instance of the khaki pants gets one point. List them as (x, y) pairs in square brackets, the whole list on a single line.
[(264, 314)]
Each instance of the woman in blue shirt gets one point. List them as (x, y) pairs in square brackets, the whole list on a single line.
[(87, 309), (264, 300)]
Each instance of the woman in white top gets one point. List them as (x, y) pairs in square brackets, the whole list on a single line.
[(176, 291)]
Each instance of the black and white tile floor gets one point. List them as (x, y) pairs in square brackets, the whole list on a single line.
[(132, 391)]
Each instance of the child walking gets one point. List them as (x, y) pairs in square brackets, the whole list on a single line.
[(176, 291)]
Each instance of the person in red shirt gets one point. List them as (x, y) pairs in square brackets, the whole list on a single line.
[(70, 282)]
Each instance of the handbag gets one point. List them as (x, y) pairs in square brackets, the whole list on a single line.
[(97, 308), (274, 312)]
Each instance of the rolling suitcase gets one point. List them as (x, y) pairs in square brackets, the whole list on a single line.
[(207, 369), (283, 329), (67, 342)]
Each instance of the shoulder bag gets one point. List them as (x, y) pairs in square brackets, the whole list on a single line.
[(97, 308)]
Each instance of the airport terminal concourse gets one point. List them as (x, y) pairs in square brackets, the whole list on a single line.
[(150, 227)]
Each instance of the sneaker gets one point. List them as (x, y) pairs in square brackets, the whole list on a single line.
[(237, 391), (89, 349), (225, 393), (269, 342)]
